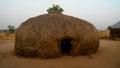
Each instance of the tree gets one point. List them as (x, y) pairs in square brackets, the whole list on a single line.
[(54, 9), (109, 27), (11, 29)]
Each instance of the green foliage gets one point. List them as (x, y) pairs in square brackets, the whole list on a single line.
[(55, 9), (109, 27), (11, 29)]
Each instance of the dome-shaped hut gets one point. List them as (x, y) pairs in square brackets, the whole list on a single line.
[(52, 35)]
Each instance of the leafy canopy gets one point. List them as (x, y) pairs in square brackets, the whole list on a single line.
[(11, 29), (55, 9), (109, 27)]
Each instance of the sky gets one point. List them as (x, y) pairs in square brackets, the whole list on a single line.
[(101, 13)]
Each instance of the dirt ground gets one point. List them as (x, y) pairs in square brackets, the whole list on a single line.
[(108, 56)]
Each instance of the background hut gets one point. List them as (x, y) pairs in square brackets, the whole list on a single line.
[(115, 31), (52, 35)]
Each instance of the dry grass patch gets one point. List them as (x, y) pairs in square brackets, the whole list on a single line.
[(6, 36), (104, 34)]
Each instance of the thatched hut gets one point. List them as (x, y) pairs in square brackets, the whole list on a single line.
[(52, 35), (115, 31)]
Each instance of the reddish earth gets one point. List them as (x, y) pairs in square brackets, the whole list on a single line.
[(108, 56)]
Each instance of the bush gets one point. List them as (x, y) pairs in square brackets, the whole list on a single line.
[(11, 29), (55, 9)]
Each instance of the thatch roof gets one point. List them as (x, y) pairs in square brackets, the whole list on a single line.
[(41, 36), (116, 25)]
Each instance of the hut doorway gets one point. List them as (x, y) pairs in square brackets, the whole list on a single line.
[(66, 46)]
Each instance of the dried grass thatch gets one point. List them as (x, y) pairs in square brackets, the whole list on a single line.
[(41, 36)]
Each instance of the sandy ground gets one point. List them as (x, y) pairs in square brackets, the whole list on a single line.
[(108, 56)]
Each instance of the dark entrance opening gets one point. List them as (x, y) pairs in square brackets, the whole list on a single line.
[(66, 46)]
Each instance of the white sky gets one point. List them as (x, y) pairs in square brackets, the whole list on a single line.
[(100, 13)]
